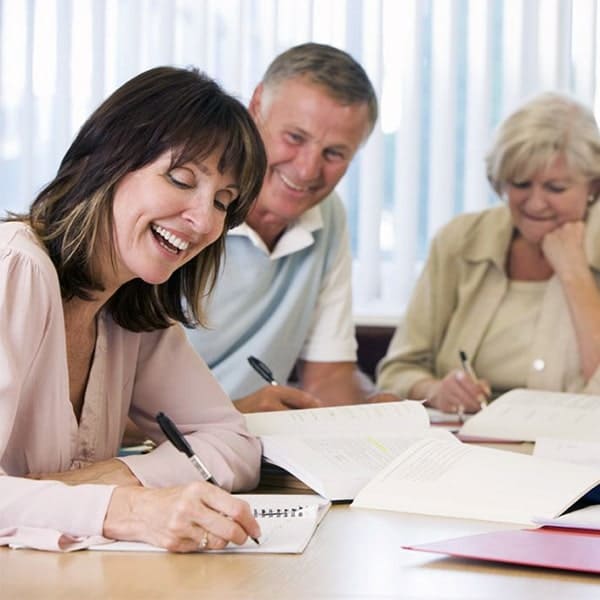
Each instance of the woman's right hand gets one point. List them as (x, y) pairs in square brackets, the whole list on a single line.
[(195, 516), (457, 393)]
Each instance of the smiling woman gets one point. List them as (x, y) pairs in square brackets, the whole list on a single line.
[(516, 287), (158, 118), (96, 280), (164, 216)]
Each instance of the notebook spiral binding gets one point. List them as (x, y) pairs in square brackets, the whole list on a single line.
[(292, 511)]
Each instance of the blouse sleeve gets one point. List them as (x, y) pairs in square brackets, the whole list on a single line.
[(171, 377), (27, 313)]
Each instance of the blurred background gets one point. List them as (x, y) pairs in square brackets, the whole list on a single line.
[(446, 72)]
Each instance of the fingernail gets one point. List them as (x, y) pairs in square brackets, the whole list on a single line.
[(459, 375)]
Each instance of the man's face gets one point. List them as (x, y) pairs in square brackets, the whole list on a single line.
[(310, 140)]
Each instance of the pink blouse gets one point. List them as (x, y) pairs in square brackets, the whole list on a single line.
[(133, 374)]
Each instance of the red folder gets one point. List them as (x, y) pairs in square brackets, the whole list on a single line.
[(550, 547)]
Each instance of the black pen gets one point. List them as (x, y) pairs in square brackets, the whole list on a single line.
[(262, 369), (176, 438)]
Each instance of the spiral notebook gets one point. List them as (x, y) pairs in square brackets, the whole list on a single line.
[(287, 523)]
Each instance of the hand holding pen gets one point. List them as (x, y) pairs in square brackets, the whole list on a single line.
[(458, 392), (274, 396), (484, 396), (178, 440)]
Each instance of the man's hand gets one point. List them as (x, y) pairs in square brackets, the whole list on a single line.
[(276, 397), (378, 397)]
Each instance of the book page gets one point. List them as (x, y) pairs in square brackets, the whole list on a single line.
[(338, 466), (406, 415), (524, 415), (452, 479), (287, 522), (576, 451)]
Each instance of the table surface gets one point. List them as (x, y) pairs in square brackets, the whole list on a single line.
[(355, 553)]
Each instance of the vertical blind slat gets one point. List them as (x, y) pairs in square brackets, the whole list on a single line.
[(371, 168), (98, 51), (442, 154), (28, 109), (408, 151), (584, 49), (479, 86)]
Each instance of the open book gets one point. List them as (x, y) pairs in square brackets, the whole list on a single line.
[(337, 450), (287, 522), (452, 479), (525, 415)]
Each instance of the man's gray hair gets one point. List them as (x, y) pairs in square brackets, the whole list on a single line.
[(343, 78)]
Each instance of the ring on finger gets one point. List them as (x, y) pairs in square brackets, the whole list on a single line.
[(204, 541)]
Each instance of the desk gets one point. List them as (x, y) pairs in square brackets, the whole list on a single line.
[(354, 554)]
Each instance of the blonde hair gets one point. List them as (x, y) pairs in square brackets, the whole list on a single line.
[(529, 139)]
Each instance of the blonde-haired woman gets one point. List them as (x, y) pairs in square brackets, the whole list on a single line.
[(516, 286)]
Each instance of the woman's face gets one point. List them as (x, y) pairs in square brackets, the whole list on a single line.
[(163, 216), (551, 197)]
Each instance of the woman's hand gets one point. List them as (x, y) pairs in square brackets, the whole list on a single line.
[(181, 519), (564, 249), (457, 393)]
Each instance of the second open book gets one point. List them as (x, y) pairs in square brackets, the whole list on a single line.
[(386, 456)]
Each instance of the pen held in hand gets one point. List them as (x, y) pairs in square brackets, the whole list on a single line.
[(178, 440), (468, 369), (262, 369)]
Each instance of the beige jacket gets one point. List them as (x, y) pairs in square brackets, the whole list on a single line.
[(458, 295)]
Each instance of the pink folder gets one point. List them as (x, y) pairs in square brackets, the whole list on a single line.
[(549, 547)]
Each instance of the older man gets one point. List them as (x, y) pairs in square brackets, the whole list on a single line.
[(285, 293)]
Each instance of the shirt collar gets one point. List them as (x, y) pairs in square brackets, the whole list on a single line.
[(296, 237), (493, 246)]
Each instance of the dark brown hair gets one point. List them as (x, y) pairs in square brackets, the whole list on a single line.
[(162, 109)]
